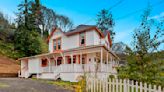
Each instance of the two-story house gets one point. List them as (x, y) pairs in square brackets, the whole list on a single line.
[(84, 49)]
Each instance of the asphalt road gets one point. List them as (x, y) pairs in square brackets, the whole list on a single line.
[(27, 85)]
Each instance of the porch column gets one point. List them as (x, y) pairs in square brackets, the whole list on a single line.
[(64, 59), (49, 64), (56, 61), (81, 58), (101, 58), (81, 62), (107, 61), (72, 63)]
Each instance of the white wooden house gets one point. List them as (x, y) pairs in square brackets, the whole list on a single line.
[(83, 50)]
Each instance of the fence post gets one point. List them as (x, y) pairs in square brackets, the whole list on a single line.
[(125, 89), (113, 85), (154, 88), (107, 85), (116, 85), (145, 87), (128, 85), (150, 89), (100, 85), (110, 85), (103, 85), (94, 83), (87, 84), (140, 86), (120, 81), (91, 85), (97, 81), (136, 86), (159, 88), (132, 86)]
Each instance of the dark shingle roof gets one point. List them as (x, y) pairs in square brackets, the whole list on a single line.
[(83, 28), (80, 28)]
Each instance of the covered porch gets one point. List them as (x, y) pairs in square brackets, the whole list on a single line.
[(80, 60)]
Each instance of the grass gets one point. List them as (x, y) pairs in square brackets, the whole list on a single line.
[(2, 85), (63, 84)]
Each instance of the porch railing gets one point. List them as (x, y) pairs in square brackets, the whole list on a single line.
[(80, 68)]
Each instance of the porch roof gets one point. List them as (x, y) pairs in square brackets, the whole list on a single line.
[(70, 50), (40, 55), (91, 47)]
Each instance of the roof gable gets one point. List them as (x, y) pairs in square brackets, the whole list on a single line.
[(52, 33), (78, 29)]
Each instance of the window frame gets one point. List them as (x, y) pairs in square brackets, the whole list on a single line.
[(80, 39), (55, 41), (44, 62)]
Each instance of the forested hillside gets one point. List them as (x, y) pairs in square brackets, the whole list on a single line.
[(27, 34)]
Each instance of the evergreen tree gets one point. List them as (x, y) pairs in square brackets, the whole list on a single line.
[(105, 22), (143, 63), (27, 39)]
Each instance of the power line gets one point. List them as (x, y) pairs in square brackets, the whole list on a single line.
[(119, 2), (113, 6), (129, 14)]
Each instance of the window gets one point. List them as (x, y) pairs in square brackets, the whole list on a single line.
[(59, 60), (44, 62), (82, 39), (57, 44), (69, 60)]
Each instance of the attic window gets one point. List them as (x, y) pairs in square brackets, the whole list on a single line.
[(82, 39)]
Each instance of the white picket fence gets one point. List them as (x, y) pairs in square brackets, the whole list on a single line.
[(119, 85)]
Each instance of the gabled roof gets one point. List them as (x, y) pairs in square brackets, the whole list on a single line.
[(82, 28), (78, 29)]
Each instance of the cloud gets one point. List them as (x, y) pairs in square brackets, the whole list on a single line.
[(157, 17)]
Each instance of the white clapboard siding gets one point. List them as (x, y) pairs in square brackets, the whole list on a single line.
[(120, 85)]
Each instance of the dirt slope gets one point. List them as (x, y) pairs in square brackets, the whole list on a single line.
[(8, 65)]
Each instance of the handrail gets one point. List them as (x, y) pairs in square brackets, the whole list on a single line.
[(58, 75)]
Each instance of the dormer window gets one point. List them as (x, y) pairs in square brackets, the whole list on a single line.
[(57, 44), (82, 39)]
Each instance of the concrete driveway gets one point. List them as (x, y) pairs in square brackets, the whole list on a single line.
[(27, 85)]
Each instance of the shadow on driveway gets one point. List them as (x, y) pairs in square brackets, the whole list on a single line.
[(27, 85)]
